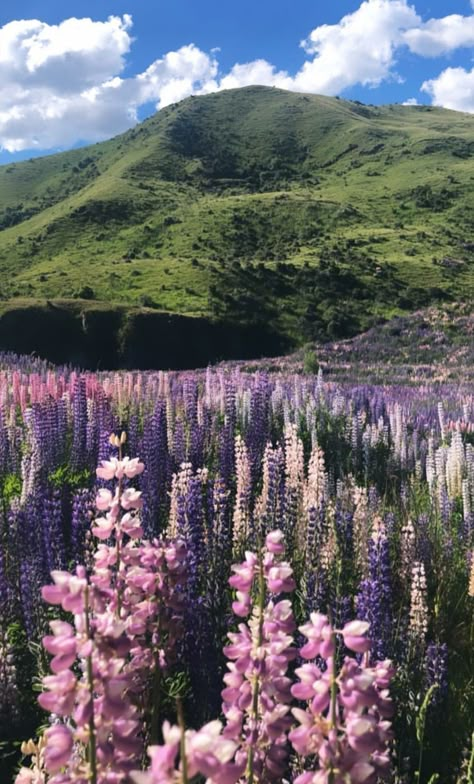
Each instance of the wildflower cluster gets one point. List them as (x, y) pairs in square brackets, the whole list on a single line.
[(126, 619), (373, 488), (345, 725)]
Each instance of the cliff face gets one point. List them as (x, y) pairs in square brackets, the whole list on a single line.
[(112, 338)]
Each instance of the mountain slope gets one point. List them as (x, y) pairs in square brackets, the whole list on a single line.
[(256, 205)]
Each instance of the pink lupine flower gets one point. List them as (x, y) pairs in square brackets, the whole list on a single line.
[(244, 573), (68, 590), (131, 499), (344, 726), (207, 753), (62, 644), (118, 468), (280, 580), (320, 637), (59, 743), (61, 695), (126, 621), (257, 692), (104, 499), (103, 527), (107, 469), (132, 467), (354, 636), (274, 542), (28, 776), (131, 526)]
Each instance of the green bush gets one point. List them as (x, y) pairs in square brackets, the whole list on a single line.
[(310, 362)]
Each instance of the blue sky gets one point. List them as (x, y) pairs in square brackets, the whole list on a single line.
[(86, 70)]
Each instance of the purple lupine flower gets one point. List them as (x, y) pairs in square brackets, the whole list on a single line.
[(79, 425), (153, 481), (374, 600), (53, 533), (81, 516), (436, 671), (227, 434), (257, 432)]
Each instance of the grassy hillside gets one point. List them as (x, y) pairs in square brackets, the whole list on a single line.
[(435, 344), (312, 214)]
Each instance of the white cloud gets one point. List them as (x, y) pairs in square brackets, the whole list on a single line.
[(64, 57), (60, 84), (256, 72), (440, 36), (410, 102), (360, 49), (453, 89)]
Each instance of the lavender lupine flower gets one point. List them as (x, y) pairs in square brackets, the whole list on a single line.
[(257, 694), (294, 485), (361, 529), (179, 444), (193, 425), (315, 578), (187, 521), (25, 526), (242, 512)]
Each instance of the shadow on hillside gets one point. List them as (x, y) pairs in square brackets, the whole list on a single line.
[(111, 338)]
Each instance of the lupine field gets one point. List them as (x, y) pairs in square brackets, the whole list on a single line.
[(234, 577)]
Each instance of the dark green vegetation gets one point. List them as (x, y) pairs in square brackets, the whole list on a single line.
[(100, 335), (313, 215)]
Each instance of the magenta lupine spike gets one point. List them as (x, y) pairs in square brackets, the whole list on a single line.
[(184, 755), (344, 732), (126, 619), (257, 694)]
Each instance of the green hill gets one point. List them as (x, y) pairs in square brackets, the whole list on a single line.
[(314, 215)]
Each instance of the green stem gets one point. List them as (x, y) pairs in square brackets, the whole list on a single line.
[(256, 685), (155, 705), (118, 536), (333, 705), (92, 751)]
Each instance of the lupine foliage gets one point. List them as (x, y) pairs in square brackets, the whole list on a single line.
[(370, 488)]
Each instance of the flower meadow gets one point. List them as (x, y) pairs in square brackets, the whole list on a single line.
[(232, 577)]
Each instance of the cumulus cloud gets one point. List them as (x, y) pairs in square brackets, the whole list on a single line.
[(440, 36), (410, 102), (60, 84), (360, 49), (453, 89), (64, 57), (256, 72)]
